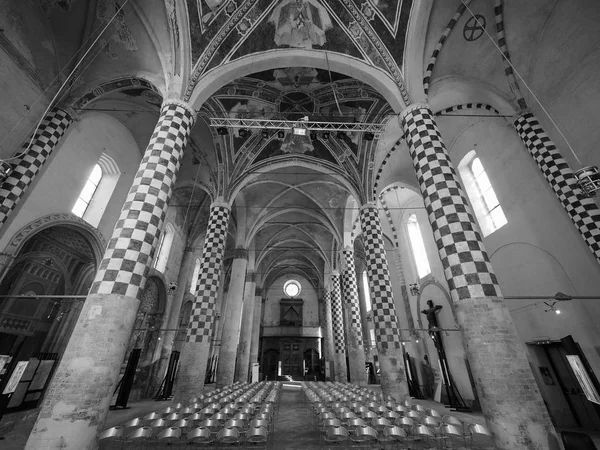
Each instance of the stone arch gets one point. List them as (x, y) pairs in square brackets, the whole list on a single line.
[(95, 239), (84, 98), (353, 67)]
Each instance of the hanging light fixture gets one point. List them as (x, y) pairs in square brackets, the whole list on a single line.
[(589, 180)]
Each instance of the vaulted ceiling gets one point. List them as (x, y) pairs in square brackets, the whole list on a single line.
[(352, 60)]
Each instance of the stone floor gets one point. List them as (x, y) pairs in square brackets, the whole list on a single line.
[(293, 427)]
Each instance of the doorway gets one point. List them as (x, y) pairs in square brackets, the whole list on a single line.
[(568, 380), (291, 359)]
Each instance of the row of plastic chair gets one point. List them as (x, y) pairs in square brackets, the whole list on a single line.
[(213, 412), (172, 437)]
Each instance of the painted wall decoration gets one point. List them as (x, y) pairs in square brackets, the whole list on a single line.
[(300, 23), (370, 30)]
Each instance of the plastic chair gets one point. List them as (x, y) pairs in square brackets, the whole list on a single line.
[(169, 435), (432, 422), (185, 425), (391, 415), (369, 415), (433, 413), (353, 423), (425, 434), (412, 415), (211, 424), (200, 437), (256, 437), (449, 434), (235, 423), (419, 408), (364, 437), (380, 423), (139, 435), (406, 423), (111, 434), (158, 424), (228, 436), (392, 436), (173, 417), (475, 429), (133, 423), (336, 437)]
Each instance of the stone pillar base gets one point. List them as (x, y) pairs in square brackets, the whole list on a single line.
[(79, 396), (393, 379), (192, 371)]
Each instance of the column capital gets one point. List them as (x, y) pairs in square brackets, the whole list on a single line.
[(369, 205), (348, 248), (179, 102), (240, 253), (258, 291), (411, 108), (219, 202)]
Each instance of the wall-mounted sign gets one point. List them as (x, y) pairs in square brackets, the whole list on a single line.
[(15, 377), (584, 379)]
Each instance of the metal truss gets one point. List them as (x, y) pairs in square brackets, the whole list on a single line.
[(309, 125)]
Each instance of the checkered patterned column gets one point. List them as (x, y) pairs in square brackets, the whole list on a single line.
[(203, 311), (583, 212), (195, 351), (507, 390), (337, 323), (356, 349), (46, 137), (130, 250), (385, 320), (76, 403)]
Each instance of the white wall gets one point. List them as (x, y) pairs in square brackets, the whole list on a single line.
[(57, 187)]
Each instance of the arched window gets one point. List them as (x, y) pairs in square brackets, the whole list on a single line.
[(367, 296), (418, 246), (88, 191), (195, 275), (485, 204), (164, 248)]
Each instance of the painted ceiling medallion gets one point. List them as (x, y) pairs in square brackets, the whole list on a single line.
[(300, 23)]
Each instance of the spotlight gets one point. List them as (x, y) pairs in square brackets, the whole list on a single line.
[(265, 134), (222, 131), (244, 132), (417, 341), (369, 136), (326, 135), (281, 134), (299, 131), (557, 311)]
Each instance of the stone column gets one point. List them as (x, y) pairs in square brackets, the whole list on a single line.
[(77, 401), (172, 326), (510, 399), (337, 324), (328, 327), (196, 348), (385, 320), (582, 211), (356, 349), (258, 303), (46, 138), (230, 336), (242, 363)]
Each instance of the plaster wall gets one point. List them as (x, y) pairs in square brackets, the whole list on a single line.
[(310, 307), (57, 187)]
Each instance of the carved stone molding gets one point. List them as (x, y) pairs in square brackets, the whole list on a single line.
[(96, 240)]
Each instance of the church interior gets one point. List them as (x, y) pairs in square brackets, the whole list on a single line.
[(247, 197)]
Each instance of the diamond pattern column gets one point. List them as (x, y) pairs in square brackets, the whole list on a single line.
[(385, 320), (77, 401), (328, 327), (45, 139), (356, 349), (337, 324), (583, 212), (196, 349), (510, 399)]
